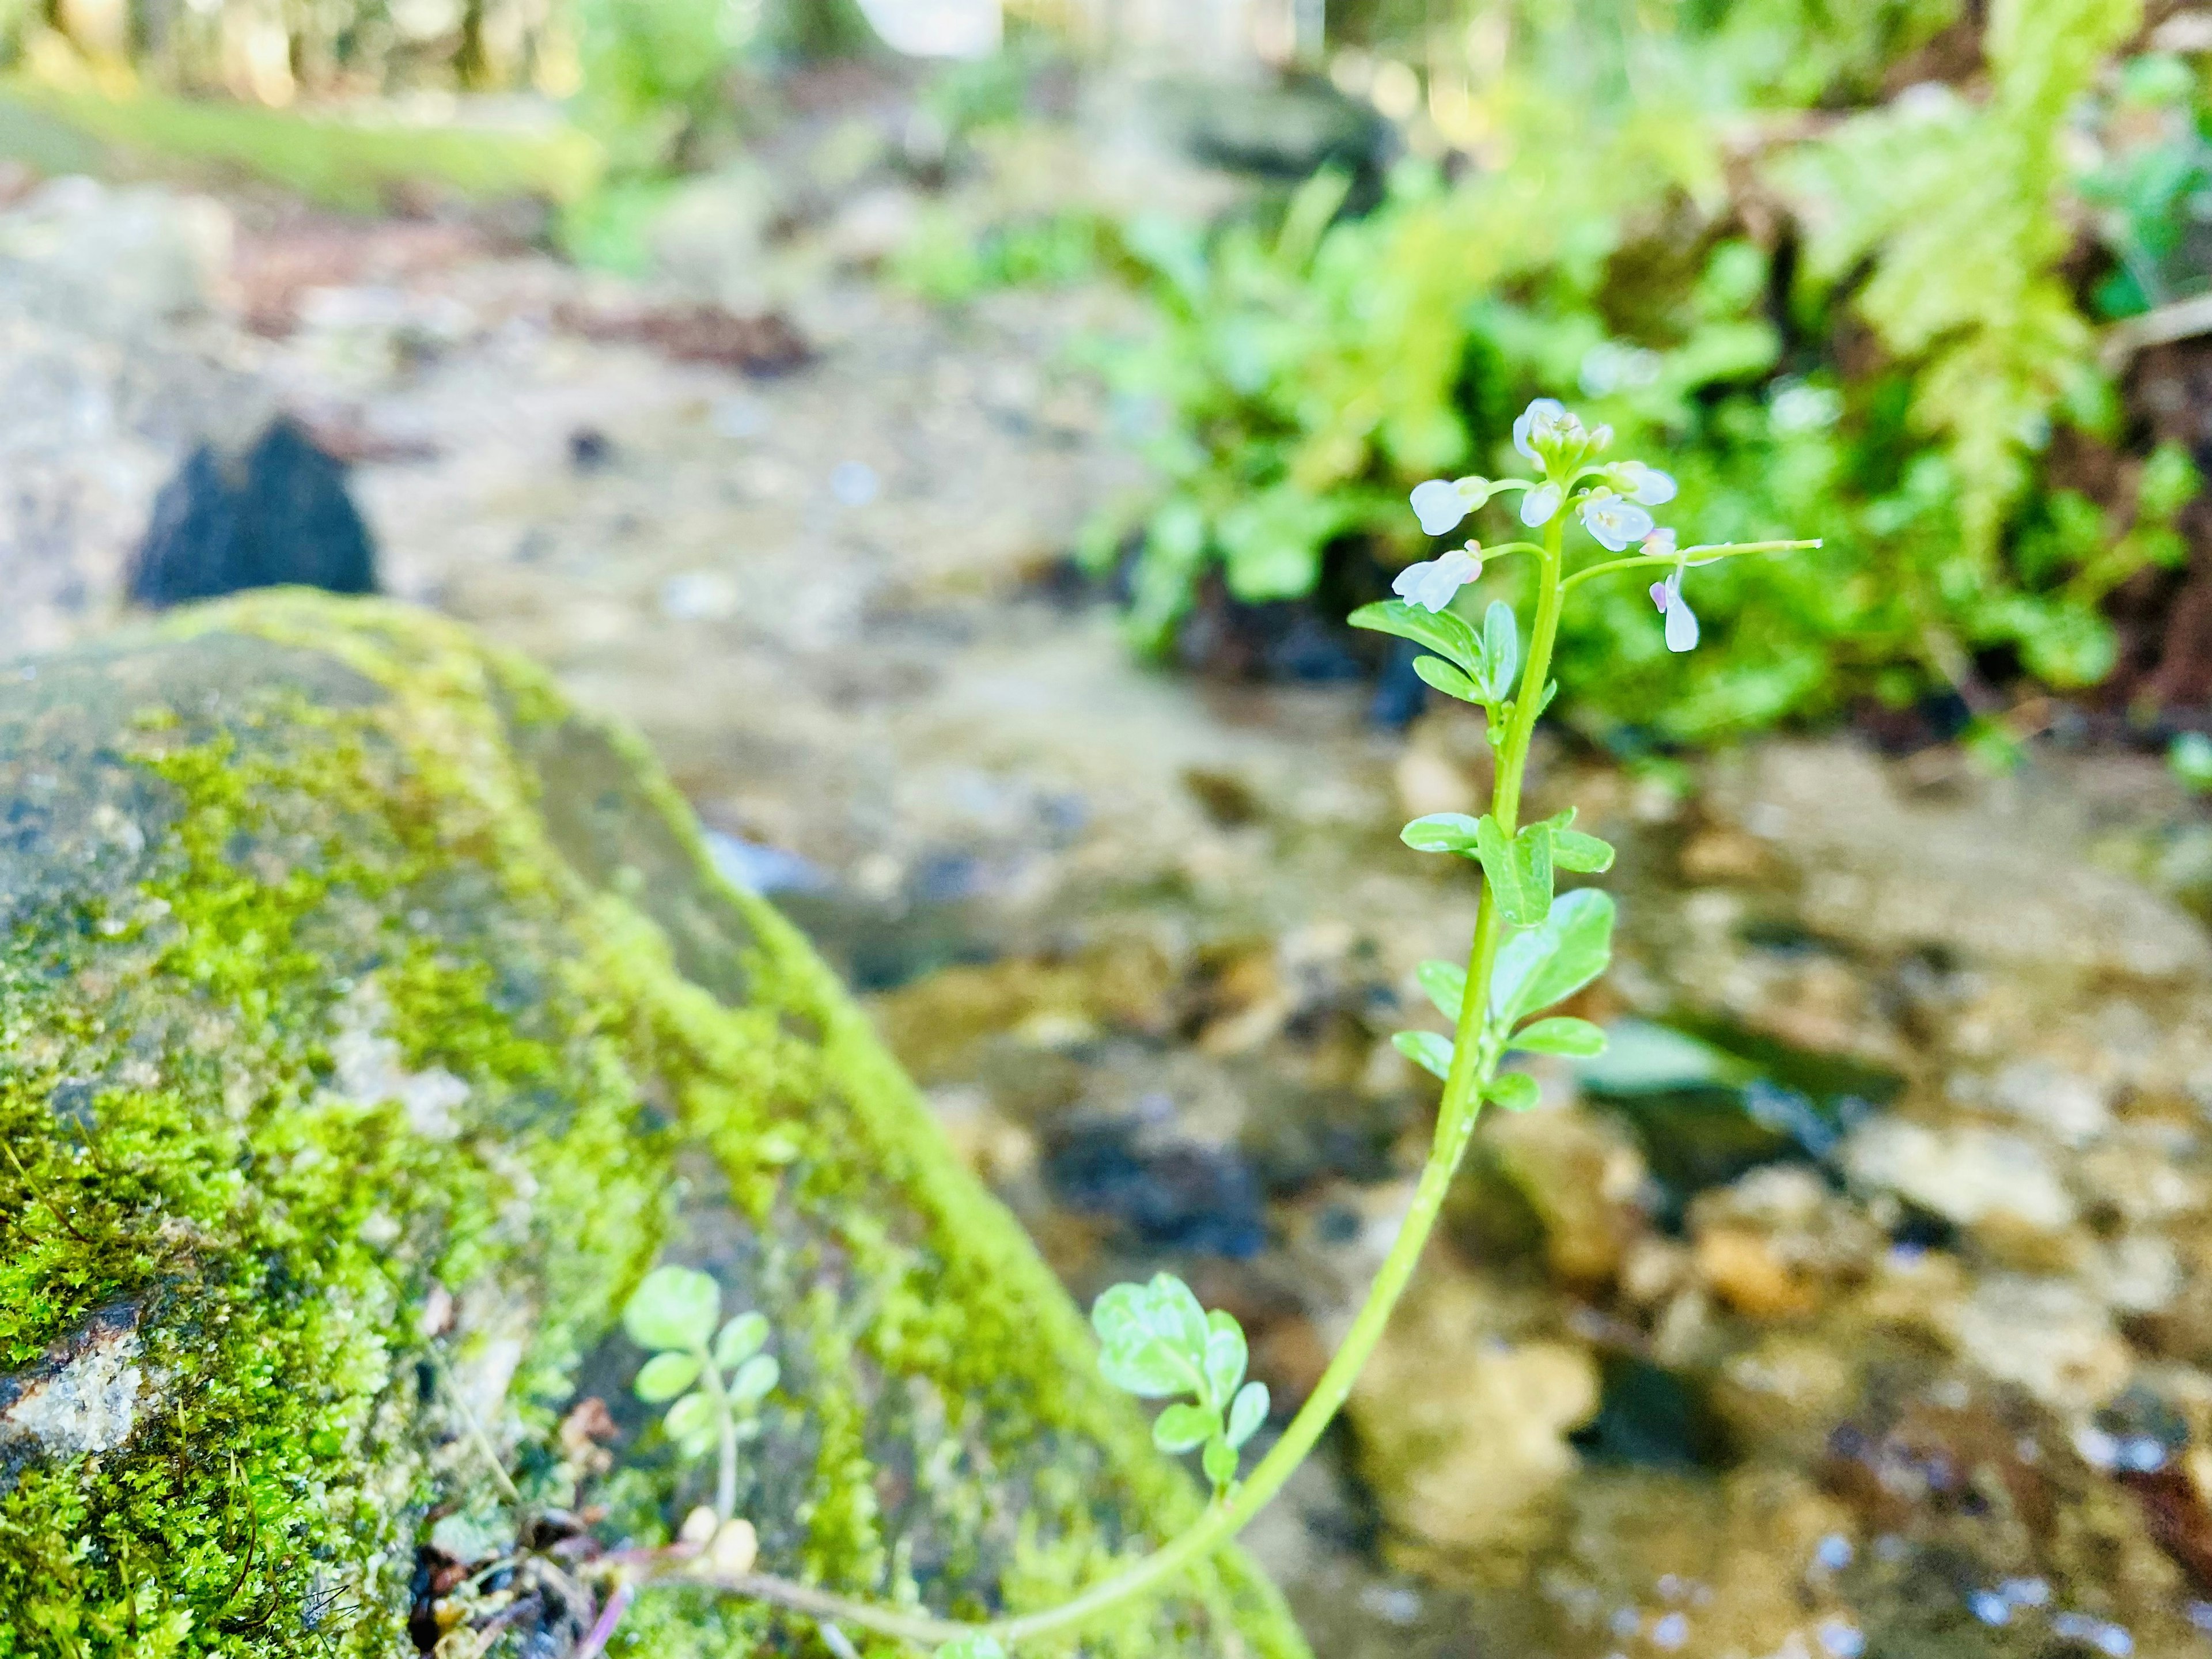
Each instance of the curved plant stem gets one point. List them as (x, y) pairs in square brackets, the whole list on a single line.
[(617, 1604), (725, 1418), (1687, 555), (1472, 1067)]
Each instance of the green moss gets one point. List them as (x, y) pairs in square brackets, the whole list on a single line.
[(341, 163), (654, 1063)]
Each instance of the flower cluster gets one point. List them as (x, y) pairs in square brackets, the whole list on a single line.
[(1613, 501)]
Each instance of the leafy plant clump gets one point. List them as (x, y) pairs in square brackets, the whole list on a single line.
[(1877, 320)]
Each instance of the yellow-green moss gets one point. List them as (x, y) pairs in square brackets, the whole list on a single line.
[(402, 825)]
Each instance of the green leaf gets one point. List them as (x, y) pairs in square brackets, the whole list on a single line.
[(1544, 964), (667, 1374), (1220, 1461), (1572, 850), (1442, 631), (1432, 1053), (742, 1336), (1587, 855), (754, 1379), (1501, 650), (1225, 1357), (1440, 832), (1560, 1035), (1519, 870), (2191, 761), (674, 1308), (1447, 679), (1183, 1428), (1154, 1337), (1247, 1413), (1446, 984), (1515, 1091), (694, 1416)]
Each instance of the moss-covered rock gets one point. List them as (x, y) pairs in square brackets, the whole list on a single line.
[(370, 1022)]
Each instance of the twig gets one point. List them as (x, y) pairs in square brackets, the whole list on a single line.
[(617, 1604), (2184, 319), (476, 1428)]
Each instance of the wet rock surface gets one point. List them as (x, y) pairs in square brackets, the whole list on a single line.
[(1856, 1304)]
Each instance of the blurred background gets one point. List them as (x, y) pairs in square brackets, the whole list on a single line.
[(953, 431)]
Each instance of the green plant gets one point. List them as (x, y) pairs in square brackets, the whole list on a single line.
[(1533, 947), (1159, 1343), (2190, 757), (716, 1378), (2153, 186), (1905, 377)]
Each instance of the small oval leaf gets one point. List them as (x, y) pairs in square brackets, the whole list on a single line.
[(1183, 1428), (673, 1308), (1220, 1461), (1586, 856), (1432, 1053), (1225, 1356), (1440, 630), (1446, 984), (693, 1417), (741, 1337), (1501, 650), (665, 1376), (1560, 1035), (1448, 679), (1441, 832), (755, 1378), (1247, 1413), (1515, 1091)]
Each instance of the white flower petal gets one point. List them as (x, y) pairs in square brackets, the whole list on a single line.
[(1659, 596), (1613, 522), (1543, 411), (1653, 488), (1659, 542), (1539, 505), (1682, 624), (1432, 583), (1438, 505)]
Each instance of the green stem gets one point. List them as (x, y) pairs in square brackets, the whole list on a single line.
[(1472, 1066), (725, 1418), (1687, 555)]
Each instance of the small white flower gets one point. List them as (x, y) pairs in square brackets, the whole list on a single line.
[(1439, 505), (1537, 423), (1431, 583), (1538, 504), (1647, 486), (1613, 519), (1681, 621)]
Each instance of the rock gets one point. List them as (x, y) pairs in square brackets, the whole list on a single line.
[(279, 515), (1966, 1174), (711, 239), (1583, 1178), (369, 1023), (122, 260), (1463, 1433), (1996, 873), (1774, 1243), (2048, 1335)]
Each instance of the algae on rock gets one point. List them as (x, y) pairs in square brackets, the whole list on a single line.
[(370, 1022)]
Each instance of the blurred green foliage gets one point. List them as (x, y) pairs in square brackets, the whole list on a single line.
[(1827, 316)]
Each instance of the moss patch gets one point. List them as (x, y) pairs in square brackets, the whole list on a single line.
[(350, 977)]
